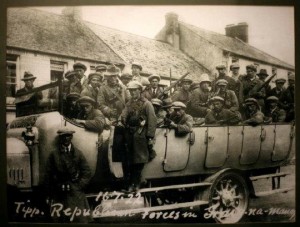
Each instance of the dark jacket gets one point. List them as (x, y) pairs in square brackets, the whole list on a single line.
[(90, 92), (225, 116), (184, 123), (199, 103), (27, 104), (255, 119), (250, 87), (275, 92), (232, 84), (276, 115), (231, 101), (286, 101), (136, 135), (64, 169), (148, 93), (95, 121)]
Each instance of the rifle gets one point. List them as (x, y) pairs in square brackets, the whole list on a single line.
[(266, 82), (172, 85)]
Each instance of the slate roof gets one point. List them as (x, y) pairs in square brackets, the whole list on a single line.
[(236, 46), (156, 57), (37, 30)]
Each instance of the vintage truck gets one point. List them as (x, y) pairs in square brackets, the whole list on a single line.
[(213, 166)]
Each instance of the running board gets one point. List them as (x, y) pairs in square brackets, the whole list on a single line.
[(149, 209), (271, 192), (268, 176)]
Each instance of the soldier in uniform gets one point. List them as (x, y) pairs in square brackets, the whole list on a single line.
[(67, 173), (139, 121), (154, 90), (222, 75), (112, 96), (159, 112), (136, 69), (230, 99), (125, 78), (286, 100), (90, 117), (80, 69), (71, 107), (219, 115), (94, 83), (273, 112), (183, 94), (73, 84), (278, 89), (253, 114), (199, 98), (179, 120)]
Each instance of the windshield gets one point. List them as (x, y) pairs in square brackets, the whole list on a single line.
[(38, 100)]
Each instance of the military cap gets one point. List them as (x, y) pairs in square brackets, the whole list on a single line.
[(157, 102), (72, 73), (28, 76), (178, 105), (65, 131), (186, 80), (167, 103), (153, 77), (204, 78), (216, 98), (263, 72), (272, 99), (252, 67), (291, 76), (79, 65), (137, 64), (73, 95), (86, 99), (112, 70), (234, 66), (280, 80), (134, 85), (126, 76), (220, 67), (95, 75), (100, 68), (251, 101), (221, 82)]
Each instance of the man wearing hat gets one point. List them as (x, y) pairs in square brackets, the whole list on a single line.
[(262, 75), (71, 106), (183, 94), (219, 115), (73, 82), (253, 114), (159, 112), (222, 75), (125, 78), (29, 105), (136, 70), (112, 96), (139, 121), (235, 71), (67, 173), (90, 117), (273, 112), (94, 82), (286, 101), (230, 99), (179, 120), (154, 90), (80, 69), (278, 89), (199, 97)]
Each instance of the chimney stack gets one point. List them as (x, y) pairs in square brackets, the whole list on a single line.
[(239, 31), (172, 29), (73, 13)]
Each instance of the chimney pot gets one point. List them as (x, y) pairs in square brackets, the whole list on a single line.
[(239, 31)]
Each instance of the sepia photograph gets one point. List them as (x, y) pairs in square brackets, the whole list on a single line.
[(150, 114)]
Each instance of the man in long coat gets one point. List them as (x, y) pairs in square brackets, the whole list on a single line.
[(139, 120), (67, 173)]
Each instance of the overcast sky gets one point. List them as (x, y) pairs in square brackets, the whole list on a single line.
[(271, 29)]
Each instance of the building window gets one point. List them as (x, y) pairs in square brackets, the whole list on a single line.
[(11, 75), (57, 70)]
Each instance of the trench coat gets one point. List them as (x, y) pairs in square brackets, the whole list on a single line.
[(67, 168), (136, 135)]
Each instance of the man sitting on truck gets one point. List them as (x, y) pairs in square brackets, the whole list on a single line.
[(253, 114), (273, 111)]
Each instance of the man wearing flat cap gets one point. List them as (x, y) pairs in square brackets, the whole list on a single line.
[(159, 112), (73, 82), (136, 70), (154, 90), (179, 120), (112, 96), (80, 69), (31, 103), (67, 173), (139, 120), (279, 88), (222, 75), (71, 106), (125, 78), (183, 94), (219, 115), (235, 71), (273, 111), (286, 101), (94, 82), (91, 118), (253, 114)]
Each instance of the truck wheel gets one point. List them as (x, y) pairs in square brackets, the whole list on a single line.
[(228, 198)]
